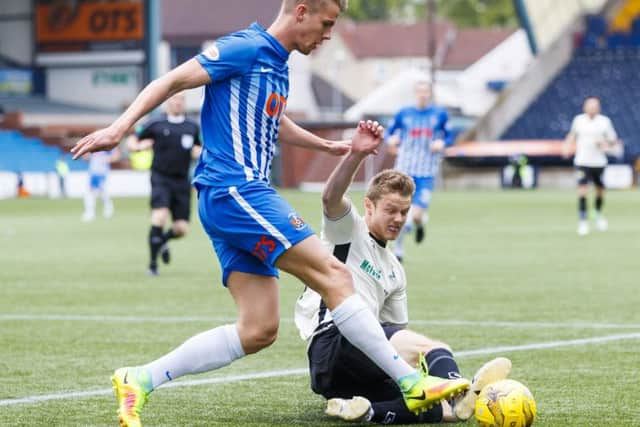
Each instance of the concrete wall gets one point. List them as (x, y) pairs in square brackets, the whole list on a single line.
[(16, 35), (120, 183)]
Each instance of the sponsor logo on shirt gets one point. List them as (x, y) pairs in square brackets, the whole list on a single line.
[(212, 53), (371, 270), (275, 105), (421, 132)]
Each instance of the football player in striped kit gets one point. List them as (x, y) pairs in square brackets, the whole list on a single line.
[(254, 231), (418, 136)]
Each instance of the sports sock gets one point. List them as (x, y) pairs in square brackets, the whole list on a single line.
[(599, 203), (90, 204), (168, 235), (155, 242), (582, 207), (442, 364), (107, 205), (204, 352), (396, 412), (360, 327)]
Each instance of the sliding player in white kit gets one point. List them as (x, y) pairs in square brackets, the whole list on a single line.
[(356, 388), (594, 137)]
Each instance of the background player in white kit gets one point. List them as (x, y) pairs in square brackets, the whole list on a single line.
[(339, 371), (594, 137), (99, 168)]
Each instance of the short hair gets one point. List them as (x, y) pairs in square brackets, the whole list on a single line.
[(314, 5), (390, 181), (597, 98), (423, 82)]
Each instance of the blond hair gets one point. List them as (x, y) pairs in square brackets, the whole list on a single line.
[(314, 5), (390, 181)]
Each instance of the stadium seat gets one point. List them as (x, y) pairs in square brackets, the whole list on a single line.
[(611, 74), (23, 154)]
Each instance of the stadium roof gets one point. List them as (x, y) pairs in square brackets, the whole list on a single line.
[(471, 44), (387, 39), (460, 47), (188, 21)]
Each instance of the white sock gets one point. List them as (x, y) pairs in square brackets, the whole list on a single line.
[(356, 322), (204, 352), (90, 203), (107, 206)]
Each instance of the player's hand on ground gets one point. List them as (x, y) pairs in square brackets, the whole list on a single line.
[(100, 140), (367, 138)]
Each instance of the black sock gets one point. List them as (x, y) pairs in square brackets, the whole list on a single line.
[(442, 364), (155, 242), (582, 207), (599, 203), (168, 235), (396, 412)]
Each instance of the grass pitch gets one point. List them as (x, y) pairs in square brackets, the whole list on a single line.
[(500, 273)]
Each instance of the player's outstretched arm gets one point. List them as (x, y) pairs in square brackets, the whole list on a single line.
[(291, 133), (185, 76), (365, 141), (568, 144)]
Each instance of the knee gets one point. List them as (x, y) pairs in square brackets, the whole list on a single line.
[(338, 284), (257, 337), (430, 345), (180, 230)]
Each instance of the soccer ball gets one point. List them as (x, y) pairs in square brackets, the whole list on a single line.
[(505, 403)]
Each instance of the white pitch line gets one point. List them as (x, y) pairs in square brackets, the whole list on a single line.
[(207, 319), (105, 391), (30, 400), (548, 344)]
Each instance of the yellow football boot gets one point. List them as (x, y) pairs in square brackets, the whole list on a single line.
[(132, 387), (421, 393)]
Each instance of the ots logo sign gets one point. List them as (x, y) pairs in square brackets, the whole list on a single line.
[(276, 105), (82, 21)]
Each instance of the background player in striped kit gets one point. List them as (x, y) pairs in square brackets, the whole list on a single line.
[(254, 231), (418, 135)]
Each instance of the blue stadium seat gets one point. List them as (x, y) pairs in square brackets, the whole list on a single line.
[(611, 74), (22, 154)]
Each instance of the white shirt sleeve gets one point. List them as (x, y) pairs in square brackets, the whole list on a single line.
[(574, 125), (610, 132), (339, 231)]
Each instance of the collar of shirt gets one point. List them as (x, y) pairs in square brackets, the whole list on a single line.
[(282, 52), (176, 119), (381, 243)]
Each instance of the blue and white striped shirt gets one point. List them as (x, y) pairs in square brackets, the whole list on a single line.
[(242, 107), (417, 129)]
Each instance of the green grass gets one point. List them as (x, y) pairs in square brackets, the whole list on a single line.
[(489, 256)]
